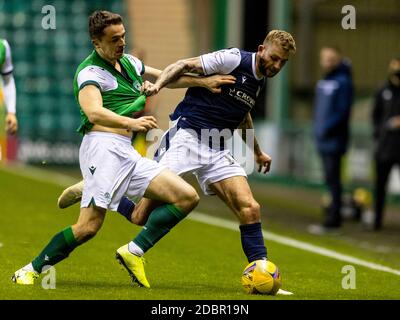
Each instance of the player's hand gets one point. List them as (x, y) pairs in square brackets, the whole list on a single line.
[(264, 161), (149, 89), (214, 82), (142, 124), (394, 123), (11, 123)]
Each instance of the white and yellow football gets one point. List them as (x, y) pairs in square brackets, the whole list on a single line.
[(261, 277)]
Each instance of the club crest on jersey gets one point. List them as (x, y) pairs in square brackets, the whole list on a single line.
[(136, 85)]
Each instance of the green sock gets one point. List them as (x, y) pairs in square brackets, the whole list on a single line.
[(57, 249), (160, 222)]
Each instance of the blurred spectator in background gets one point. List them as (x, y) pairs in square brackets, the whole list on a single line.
[(333, 100), (386, 123), (6, 69)]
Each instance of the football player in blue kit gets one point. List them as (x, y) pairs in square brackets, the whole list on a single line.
[(184, 150)]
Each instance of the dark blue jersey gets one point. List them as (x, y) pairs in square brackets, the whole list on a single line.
[(202, 109)]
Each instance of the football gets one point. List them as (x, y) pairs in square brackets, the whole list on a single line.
[(261, 277)]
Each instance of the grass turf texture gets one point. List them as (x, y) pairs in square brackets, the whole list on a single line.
[(195, 261)]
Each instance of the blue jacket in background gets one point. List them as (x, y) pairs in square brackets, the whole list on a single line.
[(332, 105)]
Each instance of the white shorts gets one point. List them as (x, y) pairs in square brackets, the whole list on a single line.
[(111, 169), (184, 153)]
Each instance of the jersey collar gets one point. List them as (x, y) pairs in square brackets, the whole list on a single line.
[(253, 65), (123, 74)]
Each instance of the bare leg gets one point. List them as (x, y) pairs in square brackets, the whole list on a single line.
[(63, 243), (167, 187), (89, 223), (142, 211), (236, 193)]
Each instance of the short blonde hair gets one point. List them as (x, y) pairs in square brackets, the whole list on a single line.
[(281, 38)]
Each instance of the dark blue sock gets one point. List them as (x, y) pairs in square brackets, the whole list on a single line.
[(253, 241), (126, 207)]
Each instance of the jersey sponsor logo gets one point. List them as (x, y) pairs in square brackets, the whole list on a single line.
[(92, 169), (137, 86), (242, 97)]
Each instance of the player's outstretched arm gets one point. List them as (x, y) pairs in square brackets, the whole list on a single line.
[(174, 71), (91, 101), (212, 83), (262, 159)]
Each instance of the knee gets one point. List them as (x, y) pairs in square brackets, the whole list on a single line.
[(194, 198), (250, 212), (189, 199), (88, 232)]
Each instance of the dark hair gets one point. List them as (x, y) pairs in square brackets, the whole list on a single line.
[(99, 20)]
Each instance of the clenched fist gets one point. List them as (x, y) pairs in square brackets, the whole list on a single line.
[(11, 123)]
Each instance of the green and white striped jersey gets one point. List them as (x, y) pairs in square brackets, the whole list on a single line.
[(119, 92), (6, 66)]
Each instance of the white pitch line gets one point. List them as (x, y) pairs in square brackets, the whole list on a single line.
[(40, 175), (223, 223)]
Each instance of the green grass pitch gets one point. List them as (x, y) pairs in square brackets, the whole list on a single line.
[(195, 261)]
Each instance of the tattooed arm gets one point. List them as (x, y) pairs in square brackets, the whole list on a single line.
[(262, 159), (174, 71), (221, 62), (212, 83)]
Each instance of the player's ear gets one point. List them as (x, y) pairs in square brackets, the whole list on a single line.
[(95, 42), (261, 48)]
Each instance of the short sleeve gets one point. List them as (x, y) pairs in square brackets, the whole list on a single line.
[(97, 76), (7, 66), (222, 61), (137, 64)]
